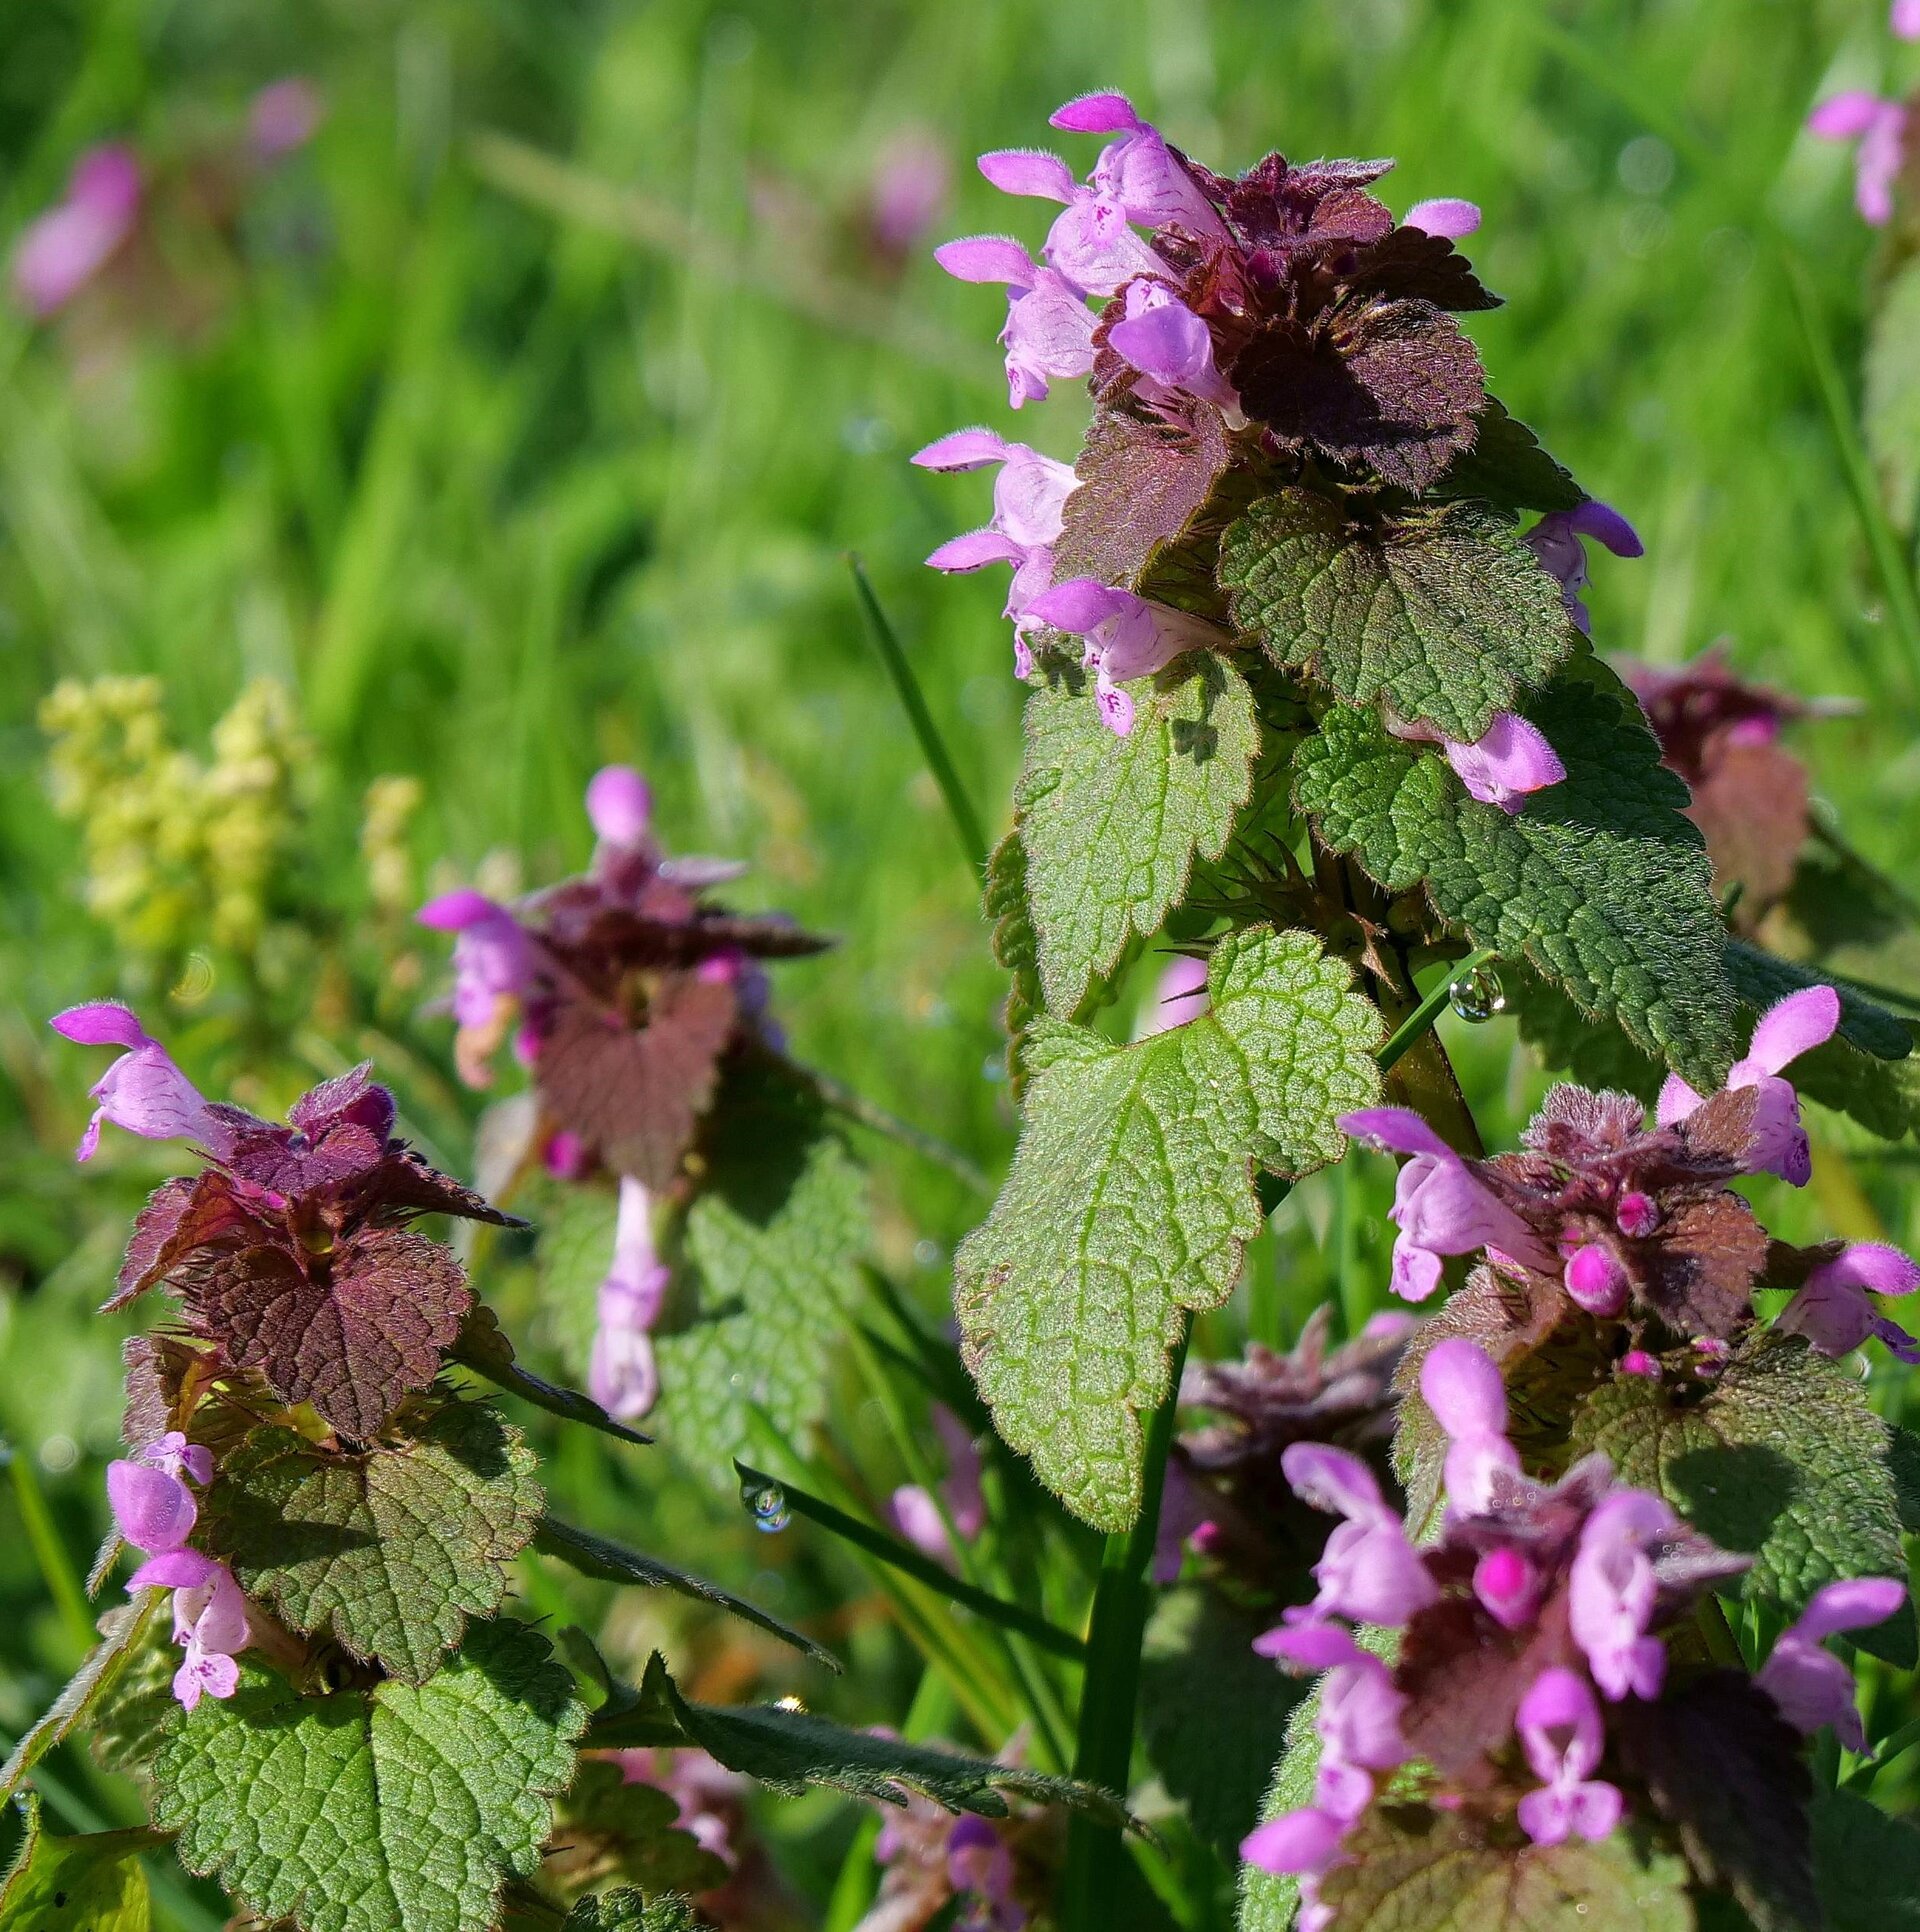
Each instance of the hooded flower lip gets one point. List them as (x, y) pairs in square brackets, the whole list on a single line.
[(1787, 1029), (1126, 637), (1030, 495), (1560, 1729), (1049, 331), (1469, 1401), (68, 246), (1832, 1309), (1369, 1572), (1504, 766), (1441, 1204), (620, 807), (143, 1091), (1880, 127), (1811, 1686), (1559, 540), (1444, 215)]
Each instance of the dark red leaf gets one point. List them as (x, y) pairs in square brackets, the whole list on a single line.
[(351, 1331), (184, 1214), (1698, 1271), (637, 1094), (349, 1098)]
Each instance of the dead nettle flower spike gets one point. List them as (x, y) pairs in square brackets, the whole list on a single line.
[(1538, 1612), (290, 1251), (1281, 316), (155, 1511), (623, 990), (1638, 1221)]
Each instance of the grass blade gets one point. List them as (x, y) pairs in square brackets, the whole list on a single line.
[(933, 748), (923, 1569)]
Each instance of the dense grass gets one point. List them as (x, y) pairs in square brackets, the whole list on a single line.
[(538, 405)]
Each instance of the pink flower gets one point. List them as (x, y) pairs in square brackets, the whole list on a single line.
[(980, 1868), (1049, 332), (1508, 761), (1881, 128), (1469, 1401), (1811, 1686), (1832, 1310), (1509, 1587), (1172, 348), (1139, 170), (210, 1620), (173, 1453), (1612, 1590), (1557, 540), (283, 117), (622, 1375), (1126, 637), (1368, 1572), (152, 1508), (1904, 19), (1559, 1726), (1787, 1029), (143, 1091), (61, 252), (1439, 1205), (1030, 494), (918, 1517), (620, 807), (1445, 216), (493, 960), (1597, 1280)]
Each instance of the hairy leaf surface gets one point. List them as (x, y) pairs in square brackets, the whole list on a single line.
[(627, 1910), (1866, 1864), (1444, 613), (1440, 1878), (389, 1550), (352, 1331), (401, 1807), (1111, 826), (1131, 1198), (92, 1883), (1600, 884), (772, 1243), (123, 1631), (1783, 1458)]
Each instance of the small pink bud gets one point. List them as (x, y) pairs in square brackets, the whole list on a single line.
[(1508, 1586), (1636, 1361), (1637, 1215), (1597, 1280)]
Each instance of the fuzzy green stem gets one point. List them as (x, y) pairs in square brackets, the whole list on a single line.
[(1103, 1752)]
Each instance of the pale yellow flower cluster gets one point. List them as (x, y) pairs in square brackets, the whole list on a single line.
[(391, 803), (178, 853)]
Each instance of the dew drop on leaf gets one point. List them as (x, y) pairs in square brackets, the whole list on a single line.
[(1477, 996), (766, 1503)]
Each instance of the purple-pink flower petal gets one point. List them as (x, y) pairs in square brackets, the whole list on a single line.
[(1444, 215), (1030, 171), (619, 805), (988, 258)]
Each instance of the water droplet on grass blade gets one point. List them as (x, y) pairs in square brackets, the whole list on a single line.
[(1477, 996), (766, 1503)]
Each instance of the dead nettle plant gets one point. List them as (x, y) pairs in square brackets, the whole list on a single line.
[(319, 1680), (1314, 707)]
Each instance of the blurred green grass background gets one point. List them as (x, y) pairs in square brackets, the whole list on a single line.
[(533, 410)]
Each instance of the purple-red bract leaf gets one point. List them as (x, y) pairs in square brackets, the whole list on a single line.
[(352, 1331), (638, 1093)]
